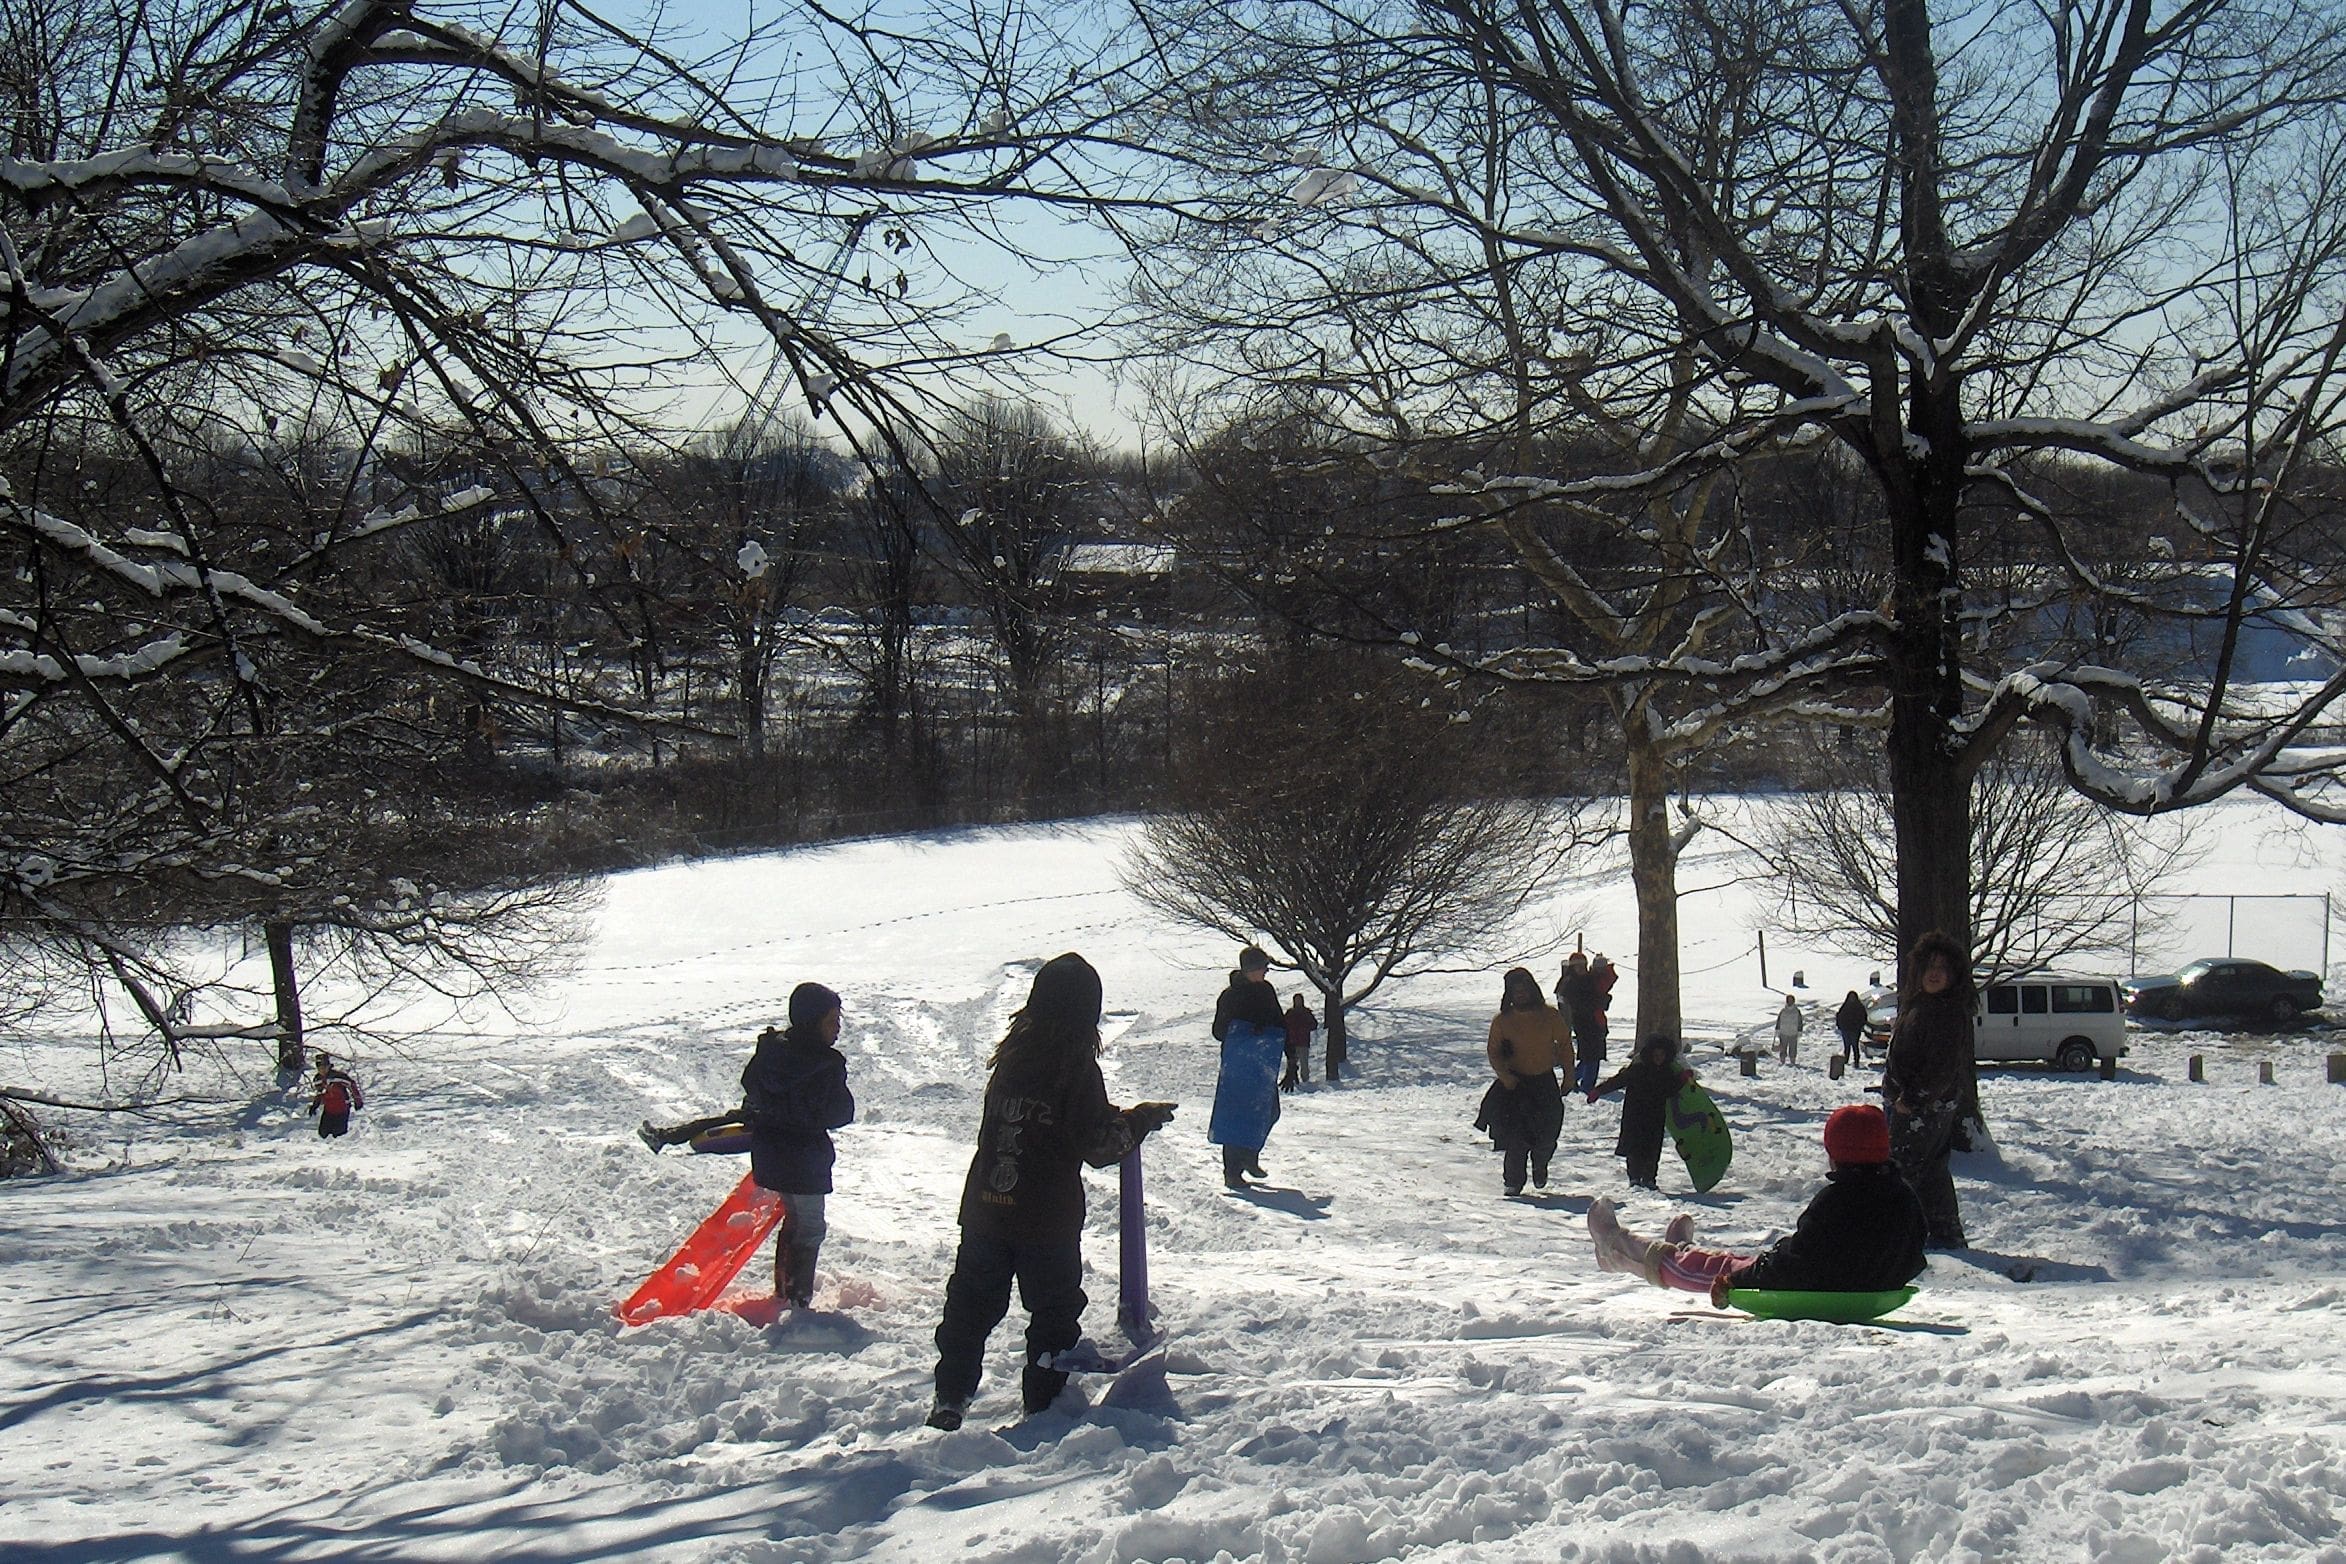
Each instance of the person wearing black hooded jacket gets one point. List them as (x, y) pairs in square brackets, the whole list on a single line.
[(1046, 1114), (1928, 1076), (1647, 1083), (794, 1093)]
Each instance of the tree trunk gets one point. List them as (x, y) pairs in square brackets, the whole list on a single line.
[(290, 1051), (1930, 790), (1930, 797), (1332, 1012), (1653, 874)]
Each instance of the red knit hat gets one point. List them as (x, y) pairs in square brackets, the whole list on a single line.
[(1857, 1134)]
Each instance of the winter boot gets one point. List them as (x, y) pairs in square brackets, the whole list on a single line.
[(1618, 1250), (945, 1413), (1680, 1230), (650, 1136), (1039, 1387), (794, 1281)]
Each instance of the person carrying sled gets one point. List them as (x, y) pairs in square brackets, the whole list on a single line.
[(1646, 1085), (1300, 1023), (1250, 1027), (1524, 1108), (334, 1096), (1926, 1077), (793, 1094), (1851, 1019), (1581, 1000), (1788, 1029), (1862, 1233), (1046, 1114)]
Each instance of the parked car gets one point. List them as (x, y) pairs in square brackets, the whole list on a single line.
[(2038, 1017), (2225, 990)]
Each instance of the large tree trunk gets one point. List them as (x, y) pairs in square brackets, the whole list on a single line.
[(1930, 795), (290, 1051), (1930, 788), (1653, 873), (1332, 1011)]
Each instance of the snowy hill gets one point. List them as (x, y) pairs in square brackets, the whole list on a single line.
[(226, 1338)]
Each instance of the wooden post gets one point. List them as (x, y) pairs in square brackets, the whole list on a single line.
[(1834, 1066), (2338, 1069), (2264, 1072), (2109, 1067), (1750, 1065), (2199, 1068)]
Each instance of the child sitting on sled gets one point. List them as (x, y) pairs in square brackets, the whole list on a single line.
[(1862, 1233)]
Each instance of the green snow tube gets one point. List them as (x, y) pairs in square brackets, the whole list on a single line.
[(1843, 1308)]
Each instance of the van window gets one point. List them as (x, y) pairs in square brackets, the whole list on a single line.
[(2032, 1000), (2003, 1000), (2084, 999)]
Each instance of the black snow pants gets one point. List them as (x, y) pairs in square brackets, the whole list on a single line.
[(1919, 1144), (1050, 1284)]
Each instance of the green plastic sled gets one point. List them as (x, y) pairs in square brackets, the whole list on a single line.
[(1843, 1308)]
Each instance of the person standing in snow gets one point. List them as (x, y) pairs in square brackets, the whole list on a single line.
[(1924, 1080), (1524, 1108), (793, 1094), (1862, 1233), (1851, 1019), (1788, 1027), (1046, 1114), (1300, 1024), (1248, 1024), (1646, 1084), (334, 1096), (1578, 996)]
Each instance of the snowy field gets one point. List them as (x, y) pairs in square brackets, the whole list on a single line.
[(226, 1339)]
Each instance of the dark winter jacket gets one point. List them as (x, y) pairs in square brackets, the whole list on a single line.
[(1247, 1000), (1583, 1006), (1528, 1117), (1851, 1017), (1646, 1088), (1300, 1025), (1043, 1120), (1930, 1053), (1862, 1233), (794, 1093)]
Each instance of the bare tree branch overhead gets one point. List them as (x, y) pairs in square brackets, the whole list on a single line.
[(2045, 301), (298, 298)]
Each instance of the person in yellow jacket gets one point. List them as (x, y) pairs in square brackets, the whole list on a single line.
[(1524, 1108)]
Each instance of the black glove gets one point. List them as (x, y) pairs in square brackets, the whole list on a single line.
[(1147, 1116)]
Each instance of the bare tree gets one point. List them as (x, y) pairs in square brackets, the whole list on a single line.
[(1952, 248), (2053, 874), (1345, 820), (425, 266)]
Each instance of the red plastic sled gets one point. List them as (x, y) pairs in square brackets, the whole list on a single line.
[(700, 1271)]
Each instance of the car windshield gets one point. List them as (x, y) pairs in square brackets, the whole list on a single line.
[(2196, 969)]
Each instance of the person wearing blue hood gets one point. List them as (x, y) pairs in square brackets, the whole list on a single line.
[(794, 1093)]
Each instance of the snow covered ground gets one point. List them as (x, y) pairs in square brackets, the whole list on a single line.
[(227, 1339)]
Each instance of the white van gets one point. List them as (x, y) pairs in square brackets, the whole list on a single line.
[(2050, 1018)]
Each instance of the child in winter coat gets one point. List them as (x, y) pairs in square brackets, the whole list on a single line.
[(1788, 1027), (1851, 1019), (1046, 1114), (1862, 1233), (794, 1093), (1300, 1024), (1646, 1084), (334, 1096), (1928, 1080)]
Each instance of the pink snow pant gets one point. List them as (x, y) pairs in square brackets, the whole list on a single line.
[(1688, 1269)]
